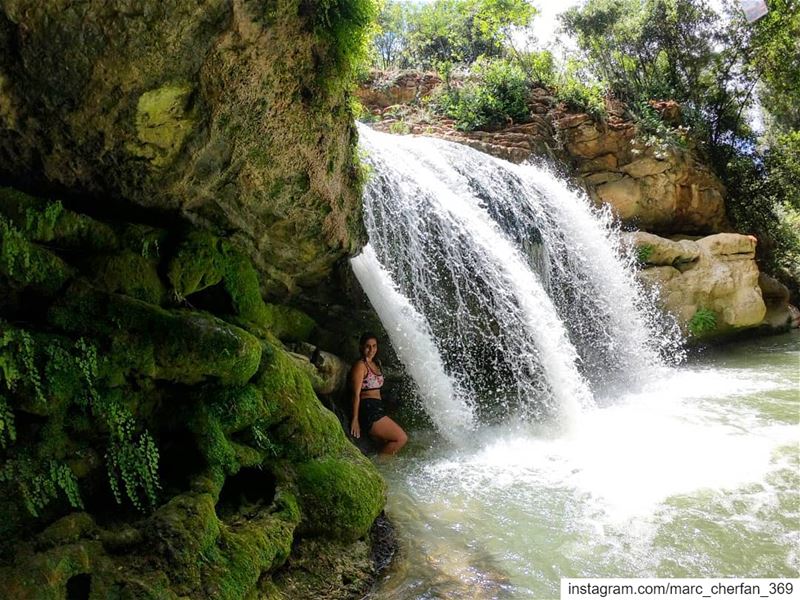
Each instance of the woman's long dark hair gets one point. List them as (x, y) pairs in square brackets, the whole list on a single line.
[(365, 337)]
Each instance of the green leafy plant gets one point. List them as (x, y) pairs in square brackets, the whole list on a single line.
[(578, 91), (40, 483), (643, 253), (703, 321), (399, 128), (8, 432), (496, 94)]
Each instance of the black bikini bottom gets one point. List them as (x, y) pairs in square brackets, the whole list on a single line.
[(370, 410)]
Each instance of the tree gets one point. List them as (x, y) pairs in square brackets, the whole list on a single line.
[(447, 31), (392, 36)]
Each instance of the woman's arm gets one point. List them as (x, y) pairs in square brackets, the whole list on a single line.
[(356, 377)]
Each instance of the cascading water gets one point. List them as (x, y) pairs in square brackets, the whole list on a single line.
[(514, 278), (506, 295)]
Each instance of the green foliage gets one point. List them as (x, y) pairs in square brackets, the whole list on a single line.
[(41, 483), (643, 253), (18, 362), (446, 31), (131, 457), (496, 94), (8, 432), (27, 264), (348, 25), (578, 91), (775, 55), (655, 132), (400, 128), (539, 66), (703, 322), (764, 199)]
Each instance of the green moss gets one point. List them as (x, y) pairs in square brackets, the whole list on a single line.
[(186, 346), (246, 552), (182, 531), (196, 265), (297, 421), (49, 222), (341, 497), (236, 407), (163, 122), (130, 274), (29, 265), (202, 260), (45, 575)]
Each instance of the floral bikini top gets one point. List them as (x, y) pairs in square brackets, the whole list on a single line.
[(372, 380)]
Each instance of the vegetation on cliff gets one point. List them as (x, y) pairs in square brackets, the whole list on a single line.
[(719, 69), (157, 439)]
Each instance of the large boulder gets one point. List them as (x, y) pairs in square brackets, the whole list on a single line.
[(710, 284), (230, 113)]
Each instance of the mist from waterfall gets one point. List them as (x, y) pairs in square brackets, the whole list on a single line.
[(507, 295)]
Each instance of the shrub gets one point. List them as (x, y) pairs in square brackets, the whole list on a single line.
[(399, 127), (643, 253), (703, 321), (495, 94), (577, 90)]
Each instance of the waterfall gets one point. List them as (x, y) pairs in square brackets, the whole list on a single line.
[(506, 294)]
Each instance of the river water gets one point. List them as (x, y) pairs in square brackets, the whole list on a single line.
[(694, 474)]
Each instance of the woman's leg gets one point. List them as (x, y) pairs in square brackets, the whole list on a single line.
[(390, 433)]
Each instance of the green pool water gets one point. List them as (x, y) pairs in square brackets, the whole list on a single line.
[(695, 474)]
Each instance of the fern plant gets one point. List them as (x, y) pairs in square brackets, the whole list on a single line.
[(40, 483), (703, 321), (8, 432)]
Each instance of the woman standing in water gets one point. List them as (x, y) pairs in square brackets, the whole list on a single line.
[(369, 411)]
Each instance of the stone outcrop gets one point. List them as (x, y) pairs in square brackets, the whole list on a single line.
[(384, 89), (229, 114), (710, 284), (657, 188), (157, 437), (649, 185)]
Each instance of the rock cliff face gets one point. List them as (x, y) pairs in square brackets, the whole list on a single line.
[(657, 188), (157, 437), (228, 113)]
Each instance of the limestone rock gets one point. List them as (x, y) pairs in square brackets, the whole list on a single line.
[(231, 114), (715, 277), (780, 314)]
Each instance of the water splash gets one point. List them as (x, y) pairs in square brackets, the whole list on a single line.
[(518, 279), (408, 332)]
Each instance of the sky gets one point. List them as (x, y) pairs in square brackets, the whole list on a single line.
[(546, 22)]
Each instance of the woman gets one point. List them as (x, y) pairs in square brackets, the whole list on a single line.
[(369, 411)]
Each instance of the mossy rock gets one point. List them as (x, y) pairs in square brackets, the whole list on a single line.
[(131, 274), (26, 264), (185, 346), (341, 497), (44, 221), (297, 420), (203, 260)]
